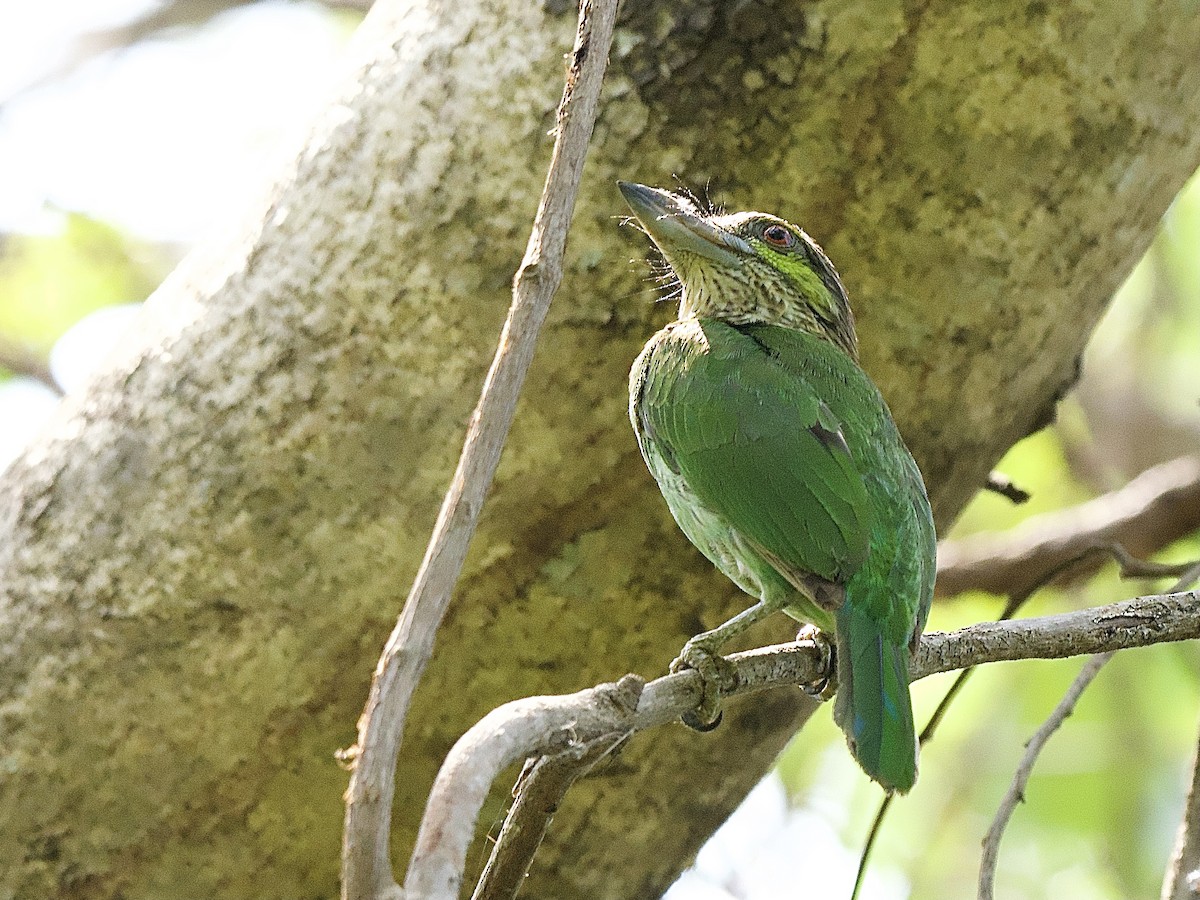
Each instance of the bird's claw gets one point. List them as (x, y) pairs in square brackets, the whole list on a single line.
[(824, 687), (712, 669)]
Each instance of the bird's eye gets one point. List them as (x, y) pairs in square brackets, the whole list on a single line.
[(778, 236)]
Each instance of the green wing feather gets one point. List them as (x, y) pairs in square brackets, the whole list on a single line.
[(755, 443)]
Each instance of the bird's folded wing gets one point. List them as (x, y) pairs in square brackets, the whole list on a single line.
[(757, 445)]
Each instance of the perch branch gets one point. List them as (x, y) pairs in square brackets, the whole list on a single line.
[(366, 870), (1159, 506), (1016, 790), (540, 725)]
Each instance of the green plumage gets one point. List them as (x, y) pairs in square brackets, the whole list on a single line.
[(780, 461)]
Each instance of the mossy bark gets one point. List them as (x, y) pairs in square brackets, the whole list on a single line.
[(200, 560)]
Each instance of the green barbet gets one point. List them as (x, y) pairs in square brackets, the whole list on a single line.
[(780, 461)]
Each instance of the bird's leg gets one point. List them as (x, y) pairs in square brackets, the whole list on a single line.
[(826, 685), (702, 653)]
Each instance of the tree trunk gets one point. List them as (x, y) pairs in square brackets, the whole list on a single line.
[(201, 559)]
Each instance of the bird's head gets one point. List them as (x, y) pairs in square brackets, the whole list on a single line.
[(745, 267)]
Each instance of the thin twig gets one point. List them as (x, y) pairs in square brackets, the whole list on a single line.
[(538, 793), (366, 869), (1016, 790), (999, 483), (535, 725), (873, 833), (1158, 507), (925, 737)]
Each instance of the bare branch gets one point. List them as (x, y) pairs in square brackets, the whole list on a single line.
[(540, 725), (1159, 506), (365, 855), (1130, 623), (539, 791), (1182, 881), (1016, 790), (516, 731)]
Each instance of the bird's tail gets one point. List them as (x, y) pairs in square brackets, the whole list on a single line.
[(873, 706)]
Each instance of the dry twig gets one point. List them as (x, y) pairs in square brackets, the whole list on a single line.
[(999, 483), (539, 791), (1016, 790), (366, 870), (1182, 878)]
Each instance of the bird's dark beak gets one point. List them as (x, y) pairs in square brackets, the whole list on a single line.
[(675, 224)]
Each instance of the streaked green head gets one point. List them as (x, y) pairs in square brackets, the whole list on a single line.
[(745, 267)]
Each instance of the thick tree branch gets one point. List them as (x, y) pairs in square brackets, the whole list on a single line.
[(1159, 506), (365, 848), (549, 725)]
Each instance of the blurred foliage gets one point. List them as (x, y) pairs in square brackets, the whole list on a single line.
[(1105, 798), (48, 282)]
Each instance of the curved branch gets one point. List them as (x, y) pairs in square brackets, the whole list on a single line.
[(539, 792), (540, 725), (1158, 507)]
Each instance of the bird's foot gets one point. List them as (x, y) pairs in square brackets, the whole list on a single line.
[(713, 670), (825, 686)]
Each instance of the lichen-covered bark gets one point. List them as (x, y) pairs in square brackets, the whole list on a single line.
[(200, 561)]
